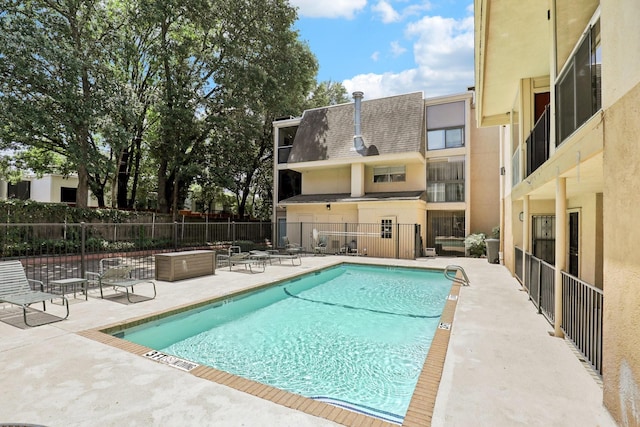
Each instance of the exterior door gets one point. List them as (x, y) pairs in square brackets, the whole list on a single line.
[(574, 243)]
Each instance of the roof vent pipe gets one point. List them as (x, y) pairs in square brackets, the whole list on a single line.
[(358, 143)]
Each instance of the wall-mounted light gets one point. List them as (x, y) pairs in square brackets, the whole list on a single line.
[(328, 206), (521, 216), (502, 171)]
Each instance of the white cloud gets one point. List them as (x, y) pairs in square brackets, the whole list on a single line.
[(375, 55), (443, 53), (328, 9), (396, 49), (386, 12)]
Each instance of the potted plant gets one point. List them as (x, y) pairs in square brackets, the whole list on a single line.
[(475, 245)]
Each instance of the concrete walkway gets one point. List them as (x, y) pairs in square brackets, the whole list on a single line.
[(502, 367)]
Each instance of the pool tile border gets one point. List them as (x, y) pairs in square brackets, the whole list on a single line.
[(419, 413)]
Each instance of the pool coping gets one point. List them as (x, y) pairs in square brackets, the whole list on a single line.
[(421, 406)]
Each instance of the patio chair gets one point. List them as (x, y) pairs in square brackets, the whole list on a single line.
[(16, 289), (319, 243), (116, 274), (244, 258), (271, 254), (352, 248), (290, 247)]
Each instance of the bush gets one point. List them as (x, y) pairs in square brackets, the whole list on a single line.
[(475, 245)]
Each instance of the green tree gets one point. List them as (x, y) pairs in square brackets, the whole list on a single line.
[(327, 93), (54, 83), (268, 73)]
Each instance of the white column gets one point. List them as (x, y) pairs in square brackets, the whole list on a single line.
[(561, 250), (357, 179)]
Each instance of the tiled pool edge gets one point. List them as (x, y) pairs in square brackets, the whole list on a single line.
[(423, 401), (419, 413)]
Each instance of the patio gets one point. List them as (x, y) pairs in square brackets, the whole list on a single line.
[(502, 366)]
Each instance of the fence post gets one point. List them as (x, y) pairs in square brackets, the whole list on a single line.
[(233, 232), (539, 287), (175, 235), (397, 241), (83, 241)]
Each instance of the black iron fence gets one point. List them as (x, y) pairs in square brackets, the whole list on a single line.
[(60, 251), (581, 304)]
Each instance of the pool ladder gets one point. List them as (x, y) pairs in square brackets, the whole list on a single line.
[(450, 273)]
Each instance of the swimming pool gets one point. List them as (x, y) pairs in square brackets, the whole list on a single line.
[(354, 336)]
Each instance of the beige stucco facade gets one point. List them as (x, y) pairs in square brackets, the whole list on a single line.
[(593, 174), (342, 189)]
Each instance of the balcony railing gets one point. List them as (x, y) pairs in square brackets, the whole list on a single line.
[(581, 304), (283, 153), (538, 143)]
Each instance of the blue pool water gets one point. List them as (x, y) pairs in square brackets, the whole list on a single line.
[(356, 336)]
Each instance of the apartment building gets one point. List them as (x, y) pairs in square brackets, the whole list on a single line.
[(48, 188), (365, 171), (561, 79)]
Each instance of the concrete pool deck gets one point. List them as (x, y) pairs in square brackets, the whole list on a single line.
[(502, 367)]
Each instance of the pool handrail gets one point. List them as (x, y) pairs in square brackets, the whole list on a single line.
[(451, 268)]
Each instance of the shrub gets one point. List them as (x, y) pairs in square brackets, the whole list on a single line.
[(475, 245)]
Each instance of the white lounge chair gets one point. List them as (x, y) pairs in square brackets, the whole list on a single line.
[(16, 289), (115, 273)]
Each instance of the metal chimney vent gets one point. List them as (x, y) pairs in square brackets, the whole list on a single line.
[(358, 142)]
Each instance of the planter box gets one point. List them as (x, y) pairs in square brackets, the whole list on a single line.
[(174, 266)]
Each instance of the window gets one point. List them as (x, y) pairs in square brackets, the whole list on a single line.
[(389, 174), (445, 125), (445, 181), (20, 190), (445, 138), (578, 89), (386, 228), (68, 194), (285, 143)]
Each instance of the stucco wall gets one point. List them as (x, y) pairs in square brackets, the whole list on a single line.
[(327, 181), (485, 178), (621, 42), (621, 354)]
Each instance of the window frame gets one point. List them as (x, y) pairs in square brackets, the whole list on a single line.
[(389, 174), (443, 186), (386, 228)]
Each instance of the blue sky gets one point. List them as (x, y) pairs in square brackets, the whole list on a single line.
[(389, 47)]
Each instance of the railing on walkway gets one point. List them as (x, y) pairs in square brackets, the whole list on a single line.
[(581, 304), (518, 260), (582, 318)]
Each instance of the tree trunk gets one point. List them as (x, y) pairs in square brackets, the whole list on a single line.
[(163, 205), (122, 178), (82, 195)]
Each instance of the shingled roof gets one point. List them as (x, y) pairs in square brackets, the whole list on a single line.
[(388, 125)]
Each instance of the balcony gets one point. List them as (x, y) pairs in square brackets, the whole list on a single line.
[(283, 153), (538, 143)]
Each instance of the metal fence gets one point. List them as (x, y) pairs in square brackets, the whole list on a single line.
[(518, 267), (581, 304), (582, 318), (385, 240), (60, 251)]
